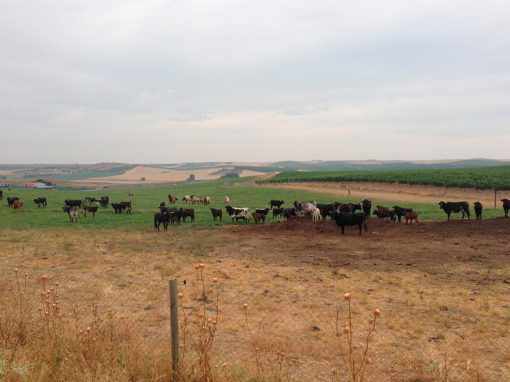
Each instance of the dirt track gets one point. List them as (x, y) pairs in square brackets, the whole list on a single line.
[(400, 192)]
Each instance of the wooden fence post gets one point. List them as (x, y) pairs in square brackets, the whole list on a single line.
[(174, 329), (495, 191)]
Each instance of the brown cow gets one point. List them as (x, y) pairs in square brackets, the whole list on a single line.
[(410, 216), (17, 205)]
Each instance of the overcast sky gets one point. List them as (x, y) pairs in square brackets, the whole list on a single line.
[(173, 81)]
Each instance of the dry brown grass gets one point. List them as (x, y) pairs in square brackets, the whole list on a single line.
[(442, 288)]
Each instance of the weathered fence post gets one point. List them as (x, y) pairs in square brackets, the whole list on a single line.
[(174, 329), (495, 192)]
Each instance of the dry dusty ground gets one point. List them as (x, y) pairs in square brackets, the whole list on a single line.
[(441, 287), (159, 175), (401, 192)]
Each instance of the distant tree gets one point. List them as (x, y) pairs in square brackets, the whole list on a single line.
[(142, 179), (191, 178)]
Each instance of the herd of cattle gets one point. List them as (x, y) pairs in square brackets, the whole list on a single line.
[(344, 214)]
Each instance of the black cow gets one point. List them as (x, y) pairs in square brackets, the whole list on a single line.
[(347, 207), (326, 209), (11, 200), (161, 217), (104, 201), (401, 211), (450, 207), (40, 202), (90, 209), (278, 212), (1, 194), (478, 210), (187, 212), (276, 203), (289, 212), (217, 213), (262, 211), (366, 205), (73, 202), (506, 206), (122, 206), (343, 219)]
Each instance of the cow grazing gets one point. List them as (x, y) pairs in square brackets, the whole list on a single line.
[(217, 213), (401, 211), (17, 205), (73, 202), (478, 210), (172, 199), (41, 202), (276, 203), (161, 217), (90, 209), (278, 212), (238, 213), (187, 212), (449, 207), (73, 212), (347, 219), (506, 206), (289, 213), (11, 200), (366, 205), (259, 218), (410, 216)]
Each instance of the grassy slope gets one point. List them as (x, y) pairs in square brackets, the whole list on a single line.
[(483, 178), (146, 201)]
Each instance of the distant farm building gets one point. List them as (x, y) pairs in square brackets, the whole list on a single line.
[(48, 184)]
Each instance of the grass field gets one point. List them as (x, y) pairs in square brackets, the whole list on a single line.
[(146, 199), (481, 178)]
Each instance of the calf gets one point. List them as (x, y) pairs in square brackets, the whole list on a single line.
[(11, 200), (187, 212), (73, 202), (410, 216), (401, 211), (263, 211), (278, 212), (450, 207), (73, 212), (289, 213), (345, 219), (384, 212), (506, 206), (316, 215), (478, 210), (90, 209), (40, 202), (17, 205), (217, 213), (161, 217), (227, 200), (276, 203), (104, 201), (259, 218), (366, 205)]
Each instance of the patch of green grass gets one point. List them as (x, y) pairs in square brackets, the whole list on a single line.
[(146, 200)]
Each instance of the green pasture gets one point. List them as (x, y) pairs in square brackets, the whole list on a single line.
[(146, 200)]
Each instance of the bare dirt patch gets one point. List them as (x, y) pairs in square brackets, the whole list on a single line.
[(402, 192), (441, 287)]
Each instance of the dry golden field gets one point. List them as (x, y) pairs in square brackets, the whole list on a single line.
[(442, 289)]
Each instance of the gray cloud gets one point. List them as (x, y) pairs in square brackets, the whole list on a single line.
[(169, 81)]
